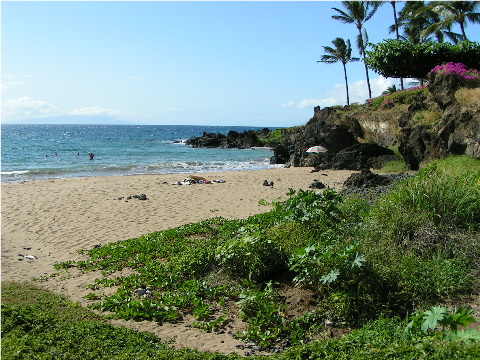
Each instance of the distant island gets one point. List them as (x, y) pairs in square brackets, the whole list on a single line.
[(73, 120)]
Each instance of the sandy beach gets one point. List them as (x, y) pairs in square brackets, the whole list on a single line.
[(51, 219)]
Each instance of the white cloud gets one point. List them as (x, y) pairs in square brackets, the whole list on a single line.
[(95, 110), (317, 102), (26, 106), (134, 77), (28, 76), (4, 86), (173, 109), (359, 90), (288, 104)]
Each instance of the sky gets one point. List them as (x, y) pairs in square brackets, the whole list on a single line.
[(251, 63)]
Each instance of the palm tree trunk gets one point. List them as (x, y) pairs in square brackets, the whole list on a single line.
[(368, 82), (462, 27), (362, 49), (396, 32), (346, 83)]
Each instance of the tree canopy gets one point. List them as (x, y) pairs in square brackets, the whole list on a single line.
[(396, 58)]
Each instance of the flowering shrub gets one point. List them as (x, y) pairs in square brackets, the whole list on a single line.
[(456, 69)]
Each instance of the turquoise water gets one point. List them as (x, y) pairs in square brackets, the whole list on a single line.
[(56, 151)]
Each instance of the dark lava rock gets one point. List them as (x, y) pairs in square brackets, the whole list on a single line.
[(281, 155), (366, 179), (140, 197), (317, 185), (353, 185), (233, 139), (356, 157)]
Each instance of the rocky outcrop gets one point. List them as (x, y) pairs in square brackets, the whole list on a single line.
[(357, 137), (456, 133), (455, 130), (296, 141), (233, 139), (356, 157)]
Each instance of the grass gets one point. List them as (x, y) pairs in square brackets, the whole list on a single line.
[(368, 268), (467, 96), (407, 96), (426, 117)]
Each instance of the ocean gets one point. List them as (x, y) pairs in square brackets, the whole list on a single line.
[(58, 151)]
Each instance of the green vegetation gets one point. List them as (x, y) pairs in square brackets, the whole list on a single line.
[(409, 96), (380, 273), (396, 58), (271, 138)]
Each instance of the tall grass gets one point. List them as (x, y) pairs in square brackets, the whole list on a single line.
[(432, 196)]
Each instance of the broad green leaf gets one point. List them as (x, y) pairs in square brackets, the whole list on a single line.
[(432, 317), (330, 277), (463, 335), (359, 260)]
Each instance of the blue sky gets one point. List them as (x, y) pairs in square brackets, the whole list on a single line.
[(201, 63)]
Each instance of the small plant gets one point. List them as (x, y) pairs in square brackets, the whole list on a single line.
[(92, 296), (427, 117), (64, 265), (466, 96), (266, 322), (427, 323), (323, 262), (216, 325)]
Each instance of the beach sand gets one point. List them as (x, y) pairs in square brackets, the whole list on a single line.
[(52, 219)]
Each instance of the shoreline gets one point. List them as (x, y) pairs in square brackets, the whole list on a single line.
[(6, 179), (52, 219)]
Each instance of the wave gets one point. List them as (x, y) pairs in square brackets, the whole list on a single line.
[(130, 169)]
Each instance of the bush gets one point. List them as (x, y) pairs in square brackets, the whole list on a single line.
[(404, 59), (315, 210), (252, 255)]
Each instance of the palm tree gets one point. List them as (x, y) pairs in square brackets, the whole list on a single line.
[(357, 13), (394, 6), (390, 90), (414, 18), (341, 52), (453, 12)]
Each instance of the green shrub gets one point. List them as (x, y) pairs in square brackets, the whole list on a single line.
[(317, 210), (252, 255)]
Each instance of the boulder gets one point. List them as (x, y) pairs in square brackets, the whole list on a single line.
[(356, 157), (281, 155), (366, 179)]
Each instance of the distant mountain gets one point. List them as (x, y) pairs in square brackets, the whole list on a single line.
[(74, 119)]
